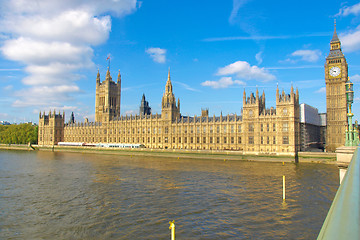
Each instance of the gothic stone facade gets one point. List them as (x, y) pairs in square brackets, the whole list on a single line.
[(51, 128), (107, 99), (336, 75), (257, 131)]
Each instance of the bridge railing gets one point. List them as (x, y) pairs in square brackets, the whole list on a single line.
[(343, 218)]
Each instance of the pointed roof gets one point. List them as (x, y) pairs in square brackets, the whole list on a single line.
[(98, 76), (335, 36), (108, 77), (335, 50), (169, 76), (168, 87), (119, 77)]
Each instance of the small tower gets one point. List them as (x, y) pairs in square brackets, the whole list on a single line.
[(107, 100), (72, 118), (205, 112), (51, 129), (145, 109), (169, 110), (254, 105)]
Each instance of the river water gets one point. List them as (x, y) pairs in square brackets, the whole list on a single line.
[(46, 195)]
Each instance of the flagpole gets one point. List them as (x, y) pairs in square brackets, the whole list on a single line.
[(109, 58)]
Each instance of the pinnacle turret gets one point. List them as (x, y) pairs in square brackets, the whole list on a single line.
[(108, 76), (119, 77), (98, 77), (244, 97)]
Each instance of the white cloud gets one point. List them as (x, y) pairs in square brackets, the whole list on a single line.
[(293, 67), (355, 78), (224, 82), (8, 87), (157, 54), (54, 39), (321, 90), (345, 11), (4, 115), (49, 8), (307, 55), (131, 112), (350, 41), (45, 96), (243, 70), (265, 37), (34, 52), (9, 69), (187, 87), (73, 26), (61, 109), (237, 4), (52, 74), (259, 58)]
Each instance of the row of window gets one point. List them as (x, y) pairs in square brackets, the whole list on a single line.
[(211, 130), (166, 129), (335, 115), (285, 112), (222, 129), (336, 60), (217, 140), (285, 127), (268, 140)]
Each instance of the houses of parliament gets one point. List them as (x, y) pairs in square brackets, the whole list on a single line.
[(257, 130)]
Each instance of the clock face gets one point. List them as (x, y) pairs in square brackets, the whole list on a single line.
[(334, 71)]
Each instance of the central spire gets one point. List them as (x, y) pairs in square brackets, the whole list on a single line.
[(168, 87), (335, 36)]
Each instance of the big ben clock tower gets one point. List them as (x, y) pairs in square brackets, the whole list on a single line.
[(336, 75)]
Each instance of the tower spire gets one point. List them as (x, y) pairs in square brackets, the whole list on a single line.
[(169, 109), (169, 75), (168, 84), (335, 36)]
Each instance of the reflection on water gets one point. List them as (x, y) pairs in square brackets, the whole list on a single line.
[(46, 195)]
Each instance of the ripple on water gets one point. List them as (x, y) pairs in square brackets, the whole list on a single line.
[(80, 196)]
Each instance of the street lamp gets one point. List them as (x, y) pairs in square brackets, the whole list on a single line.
[(349, 94), (352, 136)]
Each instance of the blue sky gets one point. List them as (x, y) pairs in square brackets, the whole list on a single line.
[(50, 52)]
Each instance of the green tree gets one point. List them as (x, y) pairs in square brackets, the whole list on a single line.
[(19, 134)]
